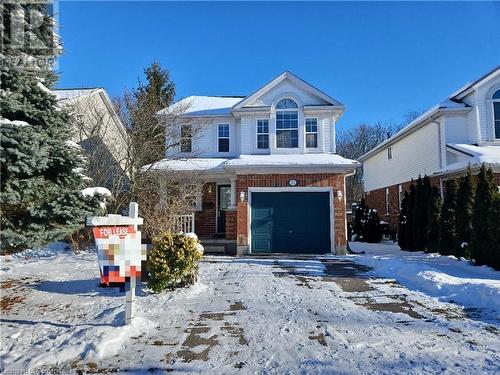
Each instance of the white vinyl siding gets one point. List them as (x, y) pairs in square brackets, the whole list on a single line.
[(417, 153)]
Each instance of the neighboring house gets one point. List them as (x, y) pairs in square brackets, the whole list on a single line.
[(99, 131), (274, 182), (463, 130)]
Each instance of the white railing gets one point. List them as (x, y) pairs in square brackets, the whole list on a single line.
[(184, 223)]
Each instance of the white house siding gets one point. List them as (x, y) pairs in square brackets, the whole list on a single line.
[(457, 129), (205, 140), (418, 153), (99, 119)]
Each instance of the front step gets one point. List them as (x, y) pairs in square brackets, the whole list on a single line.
[(218, 246)]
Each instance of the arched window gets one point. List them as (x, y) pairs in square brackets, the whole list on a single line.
[(496, 112), (287, 124)]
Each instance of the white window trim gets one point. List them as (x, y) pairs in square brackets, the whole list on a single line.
[(496, 137), (228, 137), (316, 132), (257, 134), (387, 201), (400, 195), (190, 139)]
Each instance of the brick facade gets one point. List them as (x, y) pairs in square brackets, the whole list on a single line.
[(336, 181), (376, 199), (231, 225), (205, 220)]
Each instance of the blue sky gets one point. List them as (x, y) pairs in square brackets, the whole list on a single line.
[(380, 59)]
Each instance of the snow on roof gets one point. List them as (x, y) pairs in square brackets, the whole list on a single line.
[(220, 164), (189, 164), (489, 155), (203, 106), (66, 94), (287, 160)]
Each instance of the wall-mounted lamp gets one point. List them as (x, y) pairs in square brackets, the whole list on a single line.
[(339, 195), (242, 196), (209, 188)]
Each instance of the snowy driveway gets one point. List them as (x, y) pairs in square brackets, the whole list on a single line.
[(267, 315)]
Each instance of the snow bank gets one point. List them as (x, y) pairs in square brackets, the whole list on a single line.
[(444, 277)]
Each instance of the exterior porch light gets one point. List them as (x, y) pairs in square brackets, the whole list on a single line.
[(339, 195), (242, 196)]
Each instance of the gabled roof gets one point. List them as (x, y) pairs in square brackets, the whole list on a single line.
[(293, 78), (452, 103)]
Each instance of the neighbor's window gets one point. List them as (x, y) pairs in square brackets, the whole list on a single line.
[(223, 137), (389, 153), (387, 201), (496, 112), (287, 124), (263, 134), (186, 138), (311, 132)]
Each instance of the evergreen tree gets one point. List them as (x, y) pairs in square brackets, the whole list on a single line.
[(402, 223), (41, 182), (421, 213), (146, 127), (373, 231), (433, 220), (480, 237), (360, 219), (447, 226), (494, 232), (410, 218), (463, 214)]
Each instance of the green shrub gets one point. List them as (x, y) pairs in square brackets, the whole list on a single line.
[(174, 261)]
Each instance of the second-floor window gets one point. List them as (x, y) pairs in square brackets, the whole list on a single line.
[(186, 138), (223, 137), (311, 132), (287, 124), (389, 153), (263, 134), (496, 112)]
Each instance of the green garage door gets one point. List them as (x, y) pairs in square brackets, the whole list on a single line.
[(290, 222)]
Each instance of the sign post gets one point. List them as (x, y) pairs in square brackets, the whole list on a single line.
[(120, 252)]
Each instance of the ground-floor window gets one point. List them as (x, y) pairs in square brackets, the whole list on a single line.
[(387, 201)]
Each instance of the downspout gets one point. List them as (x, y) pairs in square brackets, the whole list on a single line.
[(343, 250)]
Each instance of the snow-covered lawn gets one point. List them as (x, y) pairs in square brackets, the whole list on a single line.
[(250, 315), (445, 277)]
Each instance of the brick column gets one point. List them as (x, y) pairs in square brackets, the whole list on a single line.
[(231, 225), (242, 215)]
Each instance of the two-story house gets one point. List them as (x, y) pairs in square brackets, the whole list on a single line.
[(99, 131), (463, 130), (274, 182)]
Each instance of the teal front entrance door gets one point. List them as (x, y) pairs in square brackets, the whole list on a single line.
[(290, 222)]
